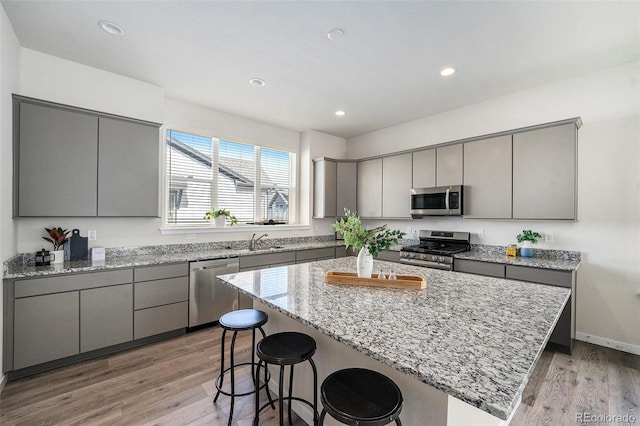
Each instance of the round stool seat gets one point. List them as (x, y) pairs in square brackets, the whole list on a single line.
[(286, 348), (244, 319), (361, 396)]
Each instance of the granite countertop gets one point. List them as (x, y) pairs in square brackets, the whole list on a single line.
[(546, 259), (156, 255), (475, 338)]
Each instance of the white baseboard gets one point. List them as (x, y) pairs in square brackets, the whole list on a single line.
[(609, 343), (3, 381)]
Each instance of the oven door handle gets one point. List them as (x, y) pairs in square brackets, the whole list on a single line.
[(446, 201)]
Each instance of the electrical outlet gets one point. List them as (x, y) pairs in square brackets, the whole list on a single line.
[(191, 236), (92, 235), (480, 233), (548, 237)]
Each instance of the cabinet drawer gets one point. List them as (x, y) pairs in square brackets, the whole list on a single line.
[(544, 276), (161, 292), (480, 268), (389, 256), (259, 260), (62, 283), (148, 322), (149, 273), (312, 254)]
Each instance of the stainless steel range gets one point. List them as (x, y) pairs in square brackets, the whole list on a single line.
[(436, 249)]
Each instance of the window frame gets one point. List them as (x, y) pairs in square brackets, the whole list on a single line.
[(170, 228)]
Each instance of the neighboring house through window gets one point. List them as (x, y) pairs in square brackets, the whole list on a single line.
[(254, 183)]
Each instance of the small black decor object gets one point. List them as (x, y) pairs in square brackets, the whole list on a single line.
[(43, 258)]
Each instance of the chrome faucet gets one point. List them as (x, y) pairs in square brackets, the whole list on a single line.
[(254, 241)]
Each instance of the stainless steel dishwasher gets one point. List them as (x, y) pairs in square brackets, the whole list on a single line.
[(208, 298)]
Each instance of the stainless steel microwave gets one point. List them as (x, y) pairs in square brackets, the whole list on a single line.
[(436, 201)]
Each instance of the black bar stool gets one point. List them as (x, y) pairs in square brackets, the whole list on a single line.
[(241, 320), (287, 348), (357, 396)]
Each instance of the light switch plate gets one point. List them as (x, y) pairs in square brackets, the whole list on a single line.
[(548, 237), (91, 234)]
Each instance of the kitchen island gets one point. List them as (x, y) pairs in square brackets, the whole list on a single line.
[(461, 350)]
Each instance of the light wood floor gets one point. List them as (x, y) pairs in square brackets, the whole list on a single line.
[(171, 383)]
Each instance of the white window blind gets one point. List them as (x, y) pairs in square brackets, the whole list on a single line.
[(254, 183)]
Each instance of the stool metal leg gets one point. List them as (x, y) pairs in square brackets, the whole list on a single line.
[(315, 391), (224, 332), (321, 421), (281, 395), (233, 376), (290, 393)]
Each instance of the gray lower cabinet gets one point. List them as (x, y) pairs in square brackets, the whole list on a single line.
[(311, 255), (479, 268), (396, 186), (106, 317), (370, 188), (128, 168), (161, 295), (449, 165), (544, 173), (389, 256), (267, 260), (56, 153), (342, 251), (46, 328), (487, 178)]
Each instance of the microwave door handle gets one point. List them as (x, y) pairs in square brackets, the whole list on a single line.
[(446, 201)]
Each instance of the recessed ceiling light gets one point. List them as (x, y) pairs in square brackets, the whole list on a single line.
[(446, 72), (335, 34), (340, 113), (110, 28), (258, 82)]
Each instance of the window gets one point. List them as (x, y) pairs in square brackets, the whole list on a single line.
[(254, 183)]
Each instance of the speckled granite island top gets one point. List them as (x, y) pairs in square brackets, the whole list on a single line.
[(474, 338)]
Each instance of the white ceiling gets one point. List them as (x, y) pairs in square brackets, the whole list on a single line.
[(384, 71)]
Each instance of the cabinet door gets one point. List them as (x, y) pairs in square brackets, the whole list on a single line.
[(449, 165), (487, 178), (324, 188), (128, 169), (347, 181), (370, 188), (57, 160), (396, 186), (106, 316), (424, 168), (544, 173), (46, 328)]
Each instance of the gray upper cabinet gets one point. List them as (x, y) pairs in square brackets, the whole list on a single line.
[(544, 173), (347, 181), (424, 168), (487, 178), (324, 188), (449, 165), (74, 162), (396, 186), (370, 188), (334, 187), (128, 168), (56, 158)]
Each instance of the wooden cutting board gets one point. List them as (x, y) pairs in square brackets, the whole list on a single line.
[(351, 278)]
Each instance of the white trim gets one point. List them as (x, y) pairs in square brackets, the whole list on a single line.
[(3, 382), (227, 229), (609, 343)]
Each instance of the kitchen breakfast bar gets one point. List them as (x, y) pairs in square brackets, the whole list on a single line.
[(461, 350)]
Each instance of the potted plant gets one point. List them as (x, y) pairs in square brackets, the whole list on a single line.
[(220, 217), (57, 237), (527, 238), (368, 242)]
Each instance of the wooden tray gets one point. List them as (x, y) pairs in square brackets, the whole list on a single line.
[(351, 278)]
